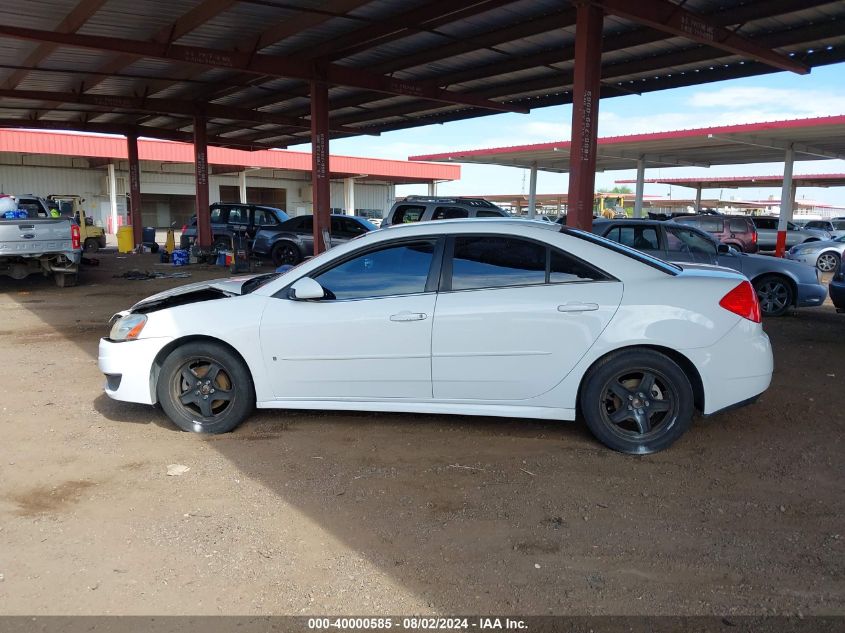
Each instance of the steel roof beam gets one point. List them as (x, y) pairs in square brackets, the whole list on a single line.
[(127, 130), (672, 18), (657, 159), (72, 22), (259, 64), (166, 106), (762, 141)]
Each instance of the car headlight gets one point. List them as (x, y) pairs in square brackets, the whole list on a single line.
[(128, 328)]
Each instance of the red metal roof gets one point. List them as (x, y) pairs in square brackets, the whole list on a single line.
[(86, 145), (815, 139), (736, 182)]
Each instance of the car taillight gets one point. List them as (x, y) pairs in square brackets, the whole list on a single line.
[(754, 237), (742, 300), (75, 239), (184, 228)]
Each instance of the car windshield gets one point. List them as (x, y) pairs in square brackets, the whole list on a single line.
[(841, 238)]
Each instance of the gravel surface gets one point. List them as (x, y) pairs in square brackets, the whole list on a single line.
[(353, 513)]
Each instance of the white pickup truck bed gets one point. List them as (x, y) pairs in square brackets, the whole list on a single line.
[(39, 245)]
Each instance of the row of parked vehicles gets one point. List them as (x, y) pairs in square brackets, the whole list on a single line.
[(729, 241)]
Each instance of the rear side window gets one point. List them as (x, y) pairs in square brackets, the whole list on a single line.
[(763, 223), (685, 240), (408, 213), (839, 225), (713, 225), (488, 213), (449, 213), (218, 215), (643, 238), (739, 225), (238, 215), (500, 262)]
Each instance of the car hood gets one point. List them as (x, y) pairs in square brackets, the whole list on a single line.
[(817, 246), (191, 293)]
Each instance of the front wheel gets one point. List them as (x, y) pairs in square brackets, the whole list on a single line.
[(285, 253), (827, 262), (775, 295), (637, 401), (205, 388)]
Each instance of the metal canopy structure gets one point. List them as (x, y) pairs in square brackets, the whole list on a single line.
[(272, 72), (813, 139), (739, 182)]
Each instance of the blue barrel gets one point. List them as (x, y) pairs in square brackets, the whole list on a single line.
[(148, 235)]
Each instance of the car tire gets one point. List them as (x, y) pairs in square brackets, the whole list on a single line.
[(197, 405), (66, 280), (285, 253), (775, 295), (91, 245), (625, 421), (827, 262)]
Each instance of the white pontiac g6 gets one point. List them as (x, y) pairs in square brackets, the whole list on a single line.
[(501, 317)]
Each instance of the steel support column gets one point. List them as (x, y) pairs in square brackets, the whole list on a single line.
[(320, 165), (698, 199), (585, 115), (640, 190), (201, 179), (242, 187), (532, 192), (432, 188), (134, 214), (787, 195), (113, 198), (349, 196)]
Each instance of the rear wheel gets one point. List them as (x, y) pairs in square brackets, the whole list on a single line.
[(827, 262), (775, 295), (66, 280), (285, 253), (637, 401), (205, 388), (92, 245)]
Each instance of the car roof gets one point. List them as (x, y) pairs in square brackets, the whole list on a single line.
[(475, 223)]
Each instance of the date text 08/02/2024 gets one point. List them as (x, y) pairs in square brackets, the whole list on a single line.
[(417, 623)]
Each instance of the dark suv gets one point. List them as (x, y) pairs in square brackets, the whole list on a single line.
[(424, 208), (293, 241), (227, 217), (734, 230)]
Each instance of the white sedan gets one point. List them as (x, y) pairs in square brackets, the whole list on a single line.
[(501, 317)]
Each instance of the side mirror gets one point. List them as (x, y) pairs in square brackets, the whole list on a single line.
[(306, 289), (723, 249)]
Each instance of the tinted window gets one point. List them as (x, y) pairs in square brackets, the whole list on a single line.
[(817, 225), (764, 223), (218, 215), (238, 215), (487, 213), (353, 228), (839, 225), (565, 268), (643, 238), (739, 225), (491, 262), (408, 213), (265, 218), (711, 225), (684, 240), (449, 213), (396, 270)]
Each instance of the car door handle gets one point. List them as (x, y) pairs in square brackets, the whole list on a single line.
[(408, 316), (578, 307)]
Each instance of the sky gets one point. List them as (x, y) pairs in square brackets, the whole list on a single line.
[(771, 97)]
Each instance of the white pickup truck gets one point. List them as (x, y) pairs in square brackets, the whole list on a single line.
[(40, 244)]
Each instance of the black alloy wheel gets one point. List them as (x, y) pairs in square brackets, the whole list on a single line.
[(637, 401)]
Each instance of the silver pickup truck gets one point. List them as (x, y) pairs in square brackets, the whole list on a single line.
[(46, 245)]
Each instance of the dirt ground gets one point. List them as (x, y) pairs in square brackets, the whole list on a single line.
[(348, 513)]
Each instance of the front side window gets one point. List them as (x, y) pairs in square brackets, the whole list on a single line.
[(265, 218), (683, 241), (500, 262), (407, 213), (449, 213), (394, 270), (838, 225), (768, 223)]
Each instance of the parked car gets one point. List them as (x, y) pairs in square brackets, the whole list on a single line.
[(424, 208), (780, 284), (837, 288), (292, 241), (824, 255), (505, 318), (835, 227), (767, 233), (227, 217), (734, 230)]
